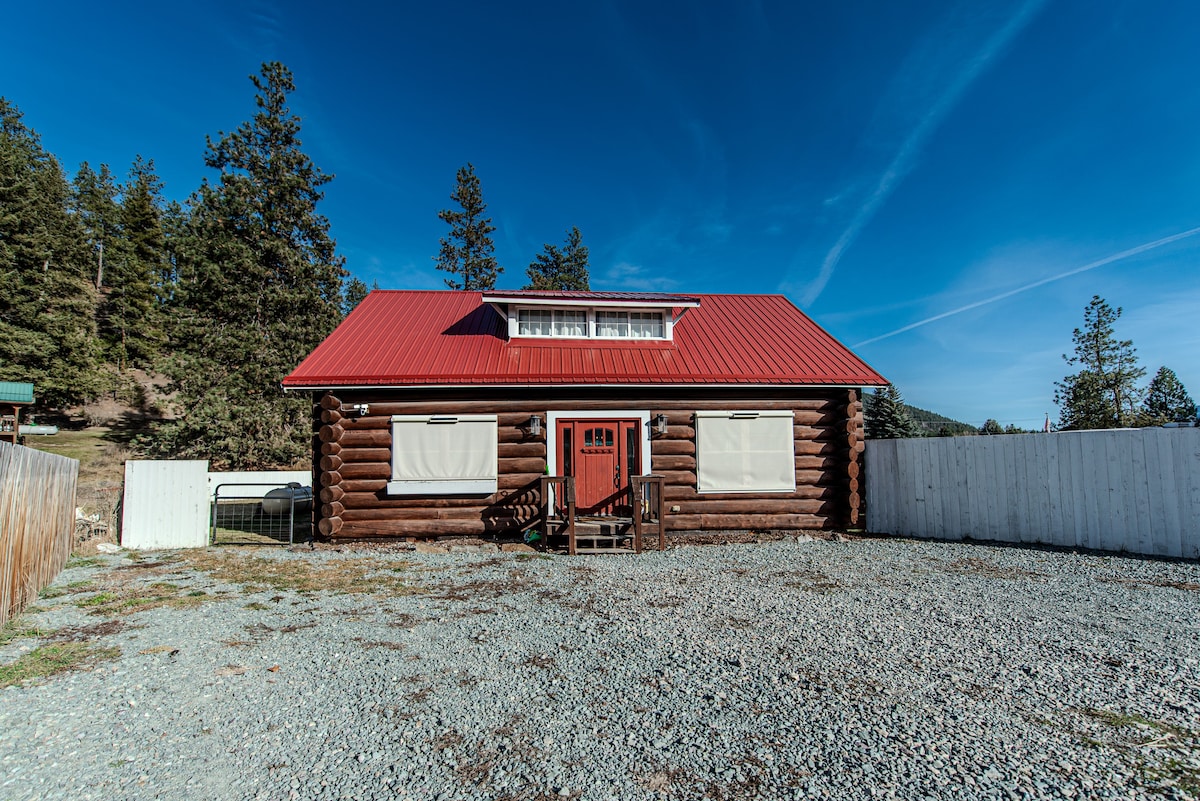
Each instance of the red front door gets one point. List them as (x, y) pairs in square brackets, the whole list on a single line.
[(601, 455)]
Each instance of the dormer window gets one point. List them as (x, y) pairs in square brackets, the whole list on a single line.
[(590, 315), (552, 323), (630, 325), (612, 324)]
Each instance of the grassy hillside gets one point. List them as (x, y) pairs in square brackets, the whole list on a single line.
[(101, 452), (936, 425)]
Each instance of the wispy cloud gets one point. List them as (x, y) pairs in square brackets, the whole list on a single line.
[(633, 278), (259, 34), (905, 158), (1124, 254)]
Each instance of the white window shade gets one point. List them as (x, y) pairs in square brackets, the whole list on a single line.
[(535, 322), (612, 324), (644, 325), (745, 452), (443, 454), (570, 323)]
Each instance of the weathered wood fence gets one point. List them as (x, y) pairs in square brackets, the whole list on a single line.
[(37, 519), (1124, 490)]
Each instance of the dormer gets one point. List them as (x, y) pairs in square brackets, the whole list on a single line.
[(599, 316)]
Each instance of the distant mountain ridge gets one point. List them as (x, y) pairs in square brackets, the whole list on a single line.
[(933, 424)]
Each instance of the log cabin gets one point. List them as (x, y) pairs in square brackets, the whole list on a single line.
[(493, 413)]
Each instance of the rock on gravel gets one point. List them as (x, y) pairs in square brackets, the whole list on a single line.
[(862, 669)]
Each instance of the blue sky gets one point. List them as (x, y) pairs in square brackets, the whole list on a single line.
[(882, 164)]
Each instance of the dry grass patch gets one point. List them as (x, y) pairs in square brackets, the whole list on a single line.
[(132, 599), (984, 567), (1165, 756), (52, 659), (344, 576), (1137, 584), (386, 644), (87, 633), (17, 629), (486, 588), (810, 580)]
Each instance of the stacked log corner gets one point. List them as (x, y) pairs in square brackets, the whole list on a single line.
[(352, 465), (329, 433), (314, 511), (855, 474)]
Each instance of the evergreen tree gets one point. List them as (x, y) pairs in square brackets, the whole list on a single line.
[(258, 286), (990, 426), (134, 314), (126, 240), (467, 252), (565, 269), (356, 292), (94, 201), (47, 306), (177, 227), (1104, 393), (886, 416), (1167, 399)]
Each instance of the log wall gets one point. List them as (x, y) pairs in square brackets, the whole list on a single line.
[(352, 452)]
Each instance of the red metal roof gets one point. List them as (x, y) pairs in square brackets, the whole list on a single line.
[(419, 338)]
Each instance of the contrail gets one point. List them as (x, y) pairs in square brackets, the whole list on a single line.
[(902, 164), (1124, 254)]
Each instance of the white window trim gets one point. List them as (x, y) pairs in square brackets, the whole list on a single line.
[(514, 325), (750, 413), (464, 485), (552, 419)]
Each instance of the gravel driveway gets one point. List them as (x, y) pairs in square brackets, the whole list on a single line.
[(863, 669)]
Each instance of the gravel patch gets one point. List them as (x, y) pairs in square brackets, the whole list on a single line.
[(862, 669)]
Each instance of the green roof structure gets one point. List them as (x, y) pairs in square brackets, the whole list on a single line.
[(16, 392)]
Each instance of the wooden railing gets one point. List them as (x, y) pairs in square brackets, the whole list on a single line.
[(37, 511), (647, 496), (559, 504), (646, 508)]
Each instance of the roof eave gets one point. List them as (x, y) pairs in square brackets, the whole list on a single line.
[(636, 385)]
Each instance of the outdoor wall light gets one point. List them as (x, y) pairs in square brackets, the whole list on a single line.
[(660, 423), (535, 425)]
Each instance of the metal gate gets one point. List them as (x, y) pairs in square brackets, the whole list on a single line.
[(260, 514)]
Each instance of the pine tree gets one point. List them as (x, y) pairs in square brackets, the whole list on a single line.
[(126, 240), (467, 252), (886, 416), (990, 426), (1167, 399), (94, 201), (134, 311), (565, 269), (258, 285), (47, 306), (355, 293), (1104, 393)]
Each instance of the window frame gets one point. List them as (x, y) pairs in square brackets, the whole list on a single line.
[(591, 322), (483, 480), (702, 476)]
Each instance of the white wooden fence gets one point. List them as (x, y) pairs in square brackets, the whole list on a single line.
[(167, 503), (1123, 490)]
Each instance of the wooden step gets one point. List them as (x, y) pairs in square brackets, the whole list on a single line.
[(587, 551)]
